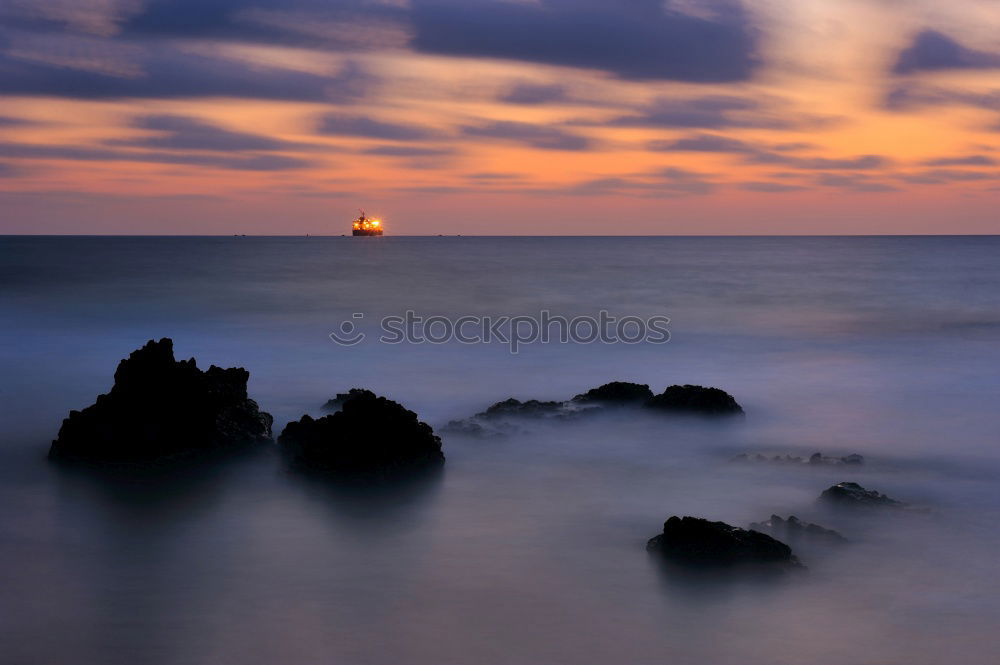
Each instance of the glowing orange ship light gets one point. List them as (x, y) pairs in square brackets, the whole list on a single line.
[(366, 226)]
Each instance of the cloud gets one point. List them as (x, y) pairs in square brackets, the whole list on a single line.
[(768, 154), (220, 161), (531, 93), (163, 72), (633, 39), (407, 151), (537, 136), (860, 162), (770, 187), (363, 126), (666, 182), (492, 175), (853, 181), (344, 25), (176, 132), (964, 160), (940, 176), (703, 143), (716, 112), (6, 121), (682, 180), (9, 170), (906, 97), (932, 50)]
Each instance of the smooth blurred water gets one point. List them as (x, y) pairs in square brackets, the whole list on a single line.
[(529, 549)]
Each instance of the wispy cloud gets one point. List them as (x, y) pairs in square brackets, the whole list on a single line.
[(933, 50), (536, 136), (645, 39), (365, 126)]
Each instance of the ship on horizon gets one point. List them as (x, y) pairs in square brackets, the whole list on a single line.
[(366, 226)]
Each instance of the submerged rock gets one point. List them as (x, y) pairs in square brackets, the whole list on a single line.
[(368, 436), (853, 494), (497, 419), (821, 459), (697, 400), (616, 392), (160, 408), (816, 459), (794, 529), (699, 542)]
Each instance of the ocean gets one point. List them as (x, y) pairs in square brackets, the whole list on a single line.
[(530, 547)]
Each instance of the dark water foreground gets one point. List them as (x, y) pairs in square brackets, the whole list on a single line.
[(528, 549)]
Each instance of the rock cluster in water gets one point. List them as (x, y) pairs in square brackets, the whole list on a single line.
[(854, 495), (793, 529), (816, 459), (368, 436), (160, 408), (499, 418), (693, 541)]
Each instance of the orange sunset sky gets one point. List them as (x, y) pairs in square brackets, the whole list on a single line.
[(500, 116)]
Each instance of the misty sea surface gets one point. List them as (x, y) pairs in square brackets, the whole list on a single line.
[(529, 548)]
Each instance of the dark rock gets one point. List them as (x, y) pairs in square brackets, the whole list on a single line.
[(853, 494), (496, 420), (368, 436), (696, 400), (675, 399), (476, 428), (819, 458), (533, 408), (335, 403), (816, 459), (699, 542), (616, 392), (160, 409), (793, 529)]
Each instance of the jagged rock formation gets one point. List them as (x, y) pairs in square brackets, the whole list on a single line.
[(498, 419), (616, 392), (369, 436), (699, 542), (696, 400), (854, 495), (335, 403), (160, 408), (793, 529), (532, 408)]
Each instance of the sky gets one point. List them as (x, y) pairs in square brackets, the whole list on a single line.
[(498, 117)]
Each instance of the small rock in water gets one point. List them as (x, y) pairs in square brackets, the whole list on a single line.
[(160, 408), (819, 458), (369, 436), (853, 494), (794, 529), (699, 542), (816, 459), (696, 400)]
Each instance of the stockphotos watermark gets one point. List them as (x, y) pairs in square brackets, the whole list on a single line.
[(513, 331)]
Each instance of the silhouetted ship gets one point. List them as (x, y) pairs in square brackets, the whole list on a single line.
[(365, 226)]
